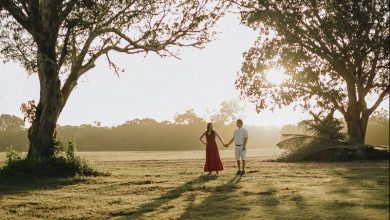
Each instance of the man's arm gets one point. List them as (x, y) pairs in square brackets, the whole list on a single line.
[(227, 145), (245, 140)]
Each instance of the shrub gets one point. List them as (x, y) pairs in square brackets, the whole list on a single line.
[(62, 164), (71, 151), (13, 154), (323, 135)]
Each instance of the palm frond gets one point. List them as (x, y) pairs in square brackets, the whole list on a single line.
[(322, 132)]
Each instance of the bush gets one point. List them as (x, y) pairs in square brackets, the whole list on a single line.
[(13, 154), (323, 136), (324, 141), (62, 164)]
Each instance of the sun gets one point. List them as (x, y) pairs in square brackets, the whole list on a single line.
[(275, 76)]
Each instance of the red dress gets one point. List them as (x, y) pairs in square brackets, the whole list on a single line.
[(213, 161)]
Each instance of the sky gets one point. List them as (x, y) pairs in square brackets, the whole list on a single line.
[(153, 87)]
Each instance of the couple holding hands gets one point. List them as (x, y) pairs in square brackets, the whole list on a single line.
[(213, 160)]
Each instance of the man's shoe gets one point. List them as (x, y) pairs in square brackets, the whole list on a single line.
[(242, 172), (238, 172)]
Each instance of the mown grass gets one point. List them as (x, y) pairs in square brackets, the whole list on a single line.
[(176, 189)]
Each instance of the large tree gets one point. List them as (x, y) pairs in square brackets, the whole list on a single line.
[(61, 40), (336, 54), (228, 112)]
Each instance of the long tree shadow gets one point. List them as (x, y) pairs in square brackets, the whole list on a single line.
[(231, 201), (374, 182), (16, 186), (222, 202), (163, 199), (273, 202)]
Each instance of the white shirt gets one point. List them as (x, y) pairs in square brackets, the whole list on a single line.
[(239, 135)]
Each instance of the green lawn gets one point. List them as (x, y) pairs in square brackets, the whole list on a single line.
[(176, 189)]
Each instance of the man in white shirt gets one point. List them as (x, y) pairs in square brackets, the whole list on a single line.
[(240, 139)]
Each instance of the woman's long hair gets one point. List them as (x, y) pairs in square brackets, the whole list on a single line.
[(209, 129)]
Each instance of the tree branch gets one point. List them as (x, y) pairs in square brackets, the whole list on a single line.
[(372, 73), (68, 8), (381, 97), (64, 50), (18, 14)]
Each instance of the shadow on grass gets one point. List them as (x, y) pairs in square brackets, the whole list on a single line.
[(9, 186), (373, 182), (275, 204), (165, 198), (359, 190), (222, 202)]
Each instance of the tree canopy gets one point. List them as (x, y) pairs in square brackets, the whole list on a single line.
[(336, 54), (89, 29), (62, 39)]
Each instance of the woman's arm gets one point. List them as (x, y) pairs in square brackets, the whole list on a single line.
[(220, 138), (227, 145), (201, 138)]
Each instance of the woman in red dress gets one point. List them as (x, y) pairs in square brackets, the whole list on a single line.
[(213, 161)]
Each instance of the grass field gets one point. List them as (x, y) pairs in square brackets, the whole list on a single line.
[(226, 153), (177, 189)]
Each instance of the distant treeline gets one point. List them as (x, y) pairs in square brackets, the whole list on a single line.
[(142, 134), (181, 134)]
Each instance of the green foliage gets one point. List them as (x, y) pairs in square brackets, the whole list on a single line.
[(228, 113), (336, 54), (13, 154), (148, 134), (63, 164), (188, 117), (38, 167), (316, 43), (321, 133), (71, 151), (75, 34), (137, 27), (326, 128), (59, 148)]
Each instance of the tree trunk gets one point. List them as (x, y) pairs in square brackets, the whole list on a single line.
[(357, 127), (45, 31), (41, 132), (356, 115)]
